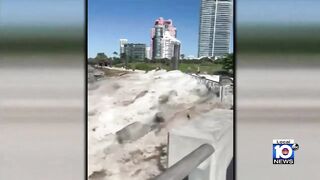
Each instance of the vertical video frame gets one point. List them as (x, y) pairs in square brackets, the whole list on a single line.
[(160, 89)]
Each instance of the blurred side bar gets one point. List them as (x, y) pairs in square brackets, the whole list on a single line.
[(42, 101)]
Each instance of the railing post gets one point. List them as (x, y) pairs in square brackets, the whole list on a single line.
[(221, 93), (184, 167)]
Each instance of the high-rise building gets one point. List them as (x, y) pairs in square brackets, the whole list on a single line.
[(168, 49), (148, 52), (163, 39), (134, 51), (122, 43), (215, 27)]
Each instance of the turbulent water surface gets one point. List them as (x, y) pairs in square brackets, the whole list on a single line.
[(130, 115)]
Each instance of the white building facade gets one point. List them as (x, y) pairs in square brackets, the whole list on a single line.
[(148, 52), (122, 43), (168, 44)]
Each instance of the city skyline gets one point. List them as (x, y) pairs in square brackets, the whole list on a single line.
[(106, 28)]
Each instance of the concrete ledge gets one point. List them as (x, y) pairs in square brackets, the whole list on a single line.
[(215, 128)]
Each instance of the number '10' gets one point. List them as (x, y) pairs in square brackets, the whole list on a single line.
[(279, 150)]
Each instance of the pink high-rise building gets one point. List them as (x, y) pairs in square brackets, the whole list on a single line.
[(163, 39), (167, 24)]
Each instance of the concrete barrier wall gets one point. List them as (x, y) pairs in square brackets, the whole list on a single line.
[(215, 128)]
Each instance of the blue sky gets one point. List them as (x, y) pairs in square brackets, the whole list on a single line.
[(111, 20)]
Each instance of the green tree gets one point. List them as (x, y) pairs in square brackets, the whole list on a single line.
[(117, 61), (101, 57), (115, 54), (227, 63)]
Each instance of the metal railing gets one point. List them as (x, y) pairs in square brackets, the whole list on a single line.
[(186, 165)]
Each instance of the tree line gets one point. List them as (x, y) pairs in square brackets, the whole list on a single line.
[(227, 61)]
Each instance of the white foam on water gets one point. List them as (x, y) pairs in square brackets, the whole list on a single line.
[(137, 97)]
